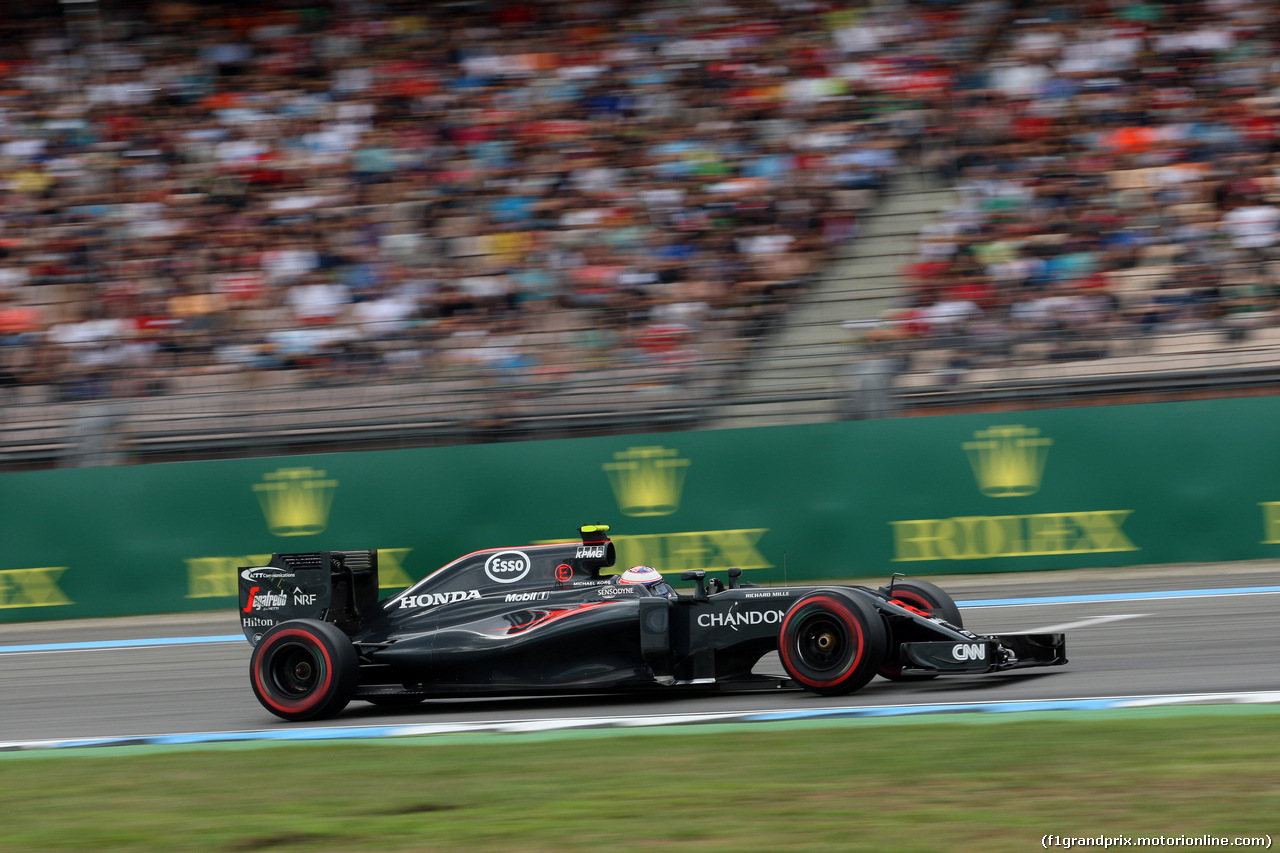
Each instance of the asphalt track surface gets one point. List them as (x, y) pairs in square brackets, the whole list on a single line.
[(1130, 643)]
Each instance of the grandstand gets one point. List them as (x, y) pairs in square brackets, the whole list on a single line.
[(234, 230)]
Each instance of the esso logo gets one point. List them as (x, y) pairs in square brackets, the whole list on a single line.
[(507, 566)]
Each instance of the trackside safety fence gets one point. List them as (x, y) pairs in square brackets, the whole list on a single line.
[(1049, 489)]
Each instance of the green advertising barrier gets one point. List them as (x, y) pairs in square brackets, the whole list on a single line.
[(1065, 488)]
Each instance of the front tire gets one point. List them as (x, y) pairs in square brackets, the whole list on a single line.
[(831, 643), (928, 598), (304, 669)]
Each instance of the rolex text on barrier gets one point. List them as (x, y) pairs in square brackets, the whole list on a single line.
[(1025, 491), (984, 537)]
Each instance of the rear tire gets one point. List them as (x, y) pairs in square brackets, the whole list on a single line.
[(831, 642), (304, 669), (927, 597)]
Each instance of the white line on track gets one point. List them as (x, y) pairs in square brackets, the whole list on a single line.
[(105, 648), (1116, 597), (567, 725), (1085, 623)]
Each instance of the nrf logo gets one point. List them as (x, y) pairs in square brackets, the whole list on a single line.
[(507, 566)]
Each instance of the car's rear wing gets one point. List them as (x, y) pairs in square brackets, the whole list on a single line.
[(332, 586)]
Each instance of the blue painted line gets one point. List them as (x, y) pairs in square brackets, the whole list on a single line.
[(566, 726), (1119, 596), (123, 644), (330, 733), (954, 708)]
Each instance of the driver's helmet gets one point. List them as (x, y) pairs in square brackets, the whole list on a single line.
[(650, 578)]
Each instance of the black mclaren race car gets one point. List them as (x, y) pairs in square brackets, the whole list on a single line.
[(549, 618)]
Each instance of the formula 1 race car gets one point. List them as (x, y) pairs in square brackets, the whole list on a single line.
[(543, 618)]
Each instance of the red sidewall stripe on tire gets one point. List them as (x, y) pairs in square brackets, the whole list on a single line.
[(920, 601), (315, 695), (785, 647)]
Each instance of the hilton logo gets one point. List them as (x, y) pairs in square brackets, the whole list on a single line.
[(647, 480), (296, 501), (1008, 460)]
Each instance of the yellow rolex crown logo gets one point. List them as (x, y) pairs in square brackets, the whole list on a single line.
[(647, 480), (1008, 460), (296, 501)]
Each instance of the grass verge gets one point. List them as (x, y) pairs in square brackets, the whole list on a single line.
[(922, 786)]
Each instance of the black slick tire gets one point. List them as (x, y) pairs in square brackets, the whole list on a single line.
[(304, 669), (831, 642), (928, 598)]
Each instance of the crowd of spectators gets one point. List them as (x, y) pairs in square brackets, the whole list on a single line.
[(356, 190), (1116, 164)]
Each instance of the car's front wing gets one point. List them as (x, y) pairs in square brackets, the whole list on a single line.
[(985, 653)]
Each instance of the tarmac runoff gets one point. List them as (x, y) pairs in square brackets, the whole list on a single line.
[(1116, 597), (445, 734), (1131, 706)]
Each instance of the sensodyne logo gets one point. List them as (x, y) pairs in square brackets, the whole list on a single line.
[(507, 566)]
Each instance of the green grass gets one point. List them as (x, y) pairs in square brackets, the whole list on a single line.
[(971, 784)]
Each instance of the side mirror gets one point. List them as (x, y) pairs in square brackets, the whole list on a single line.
[(700, 577), (734, 573)]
